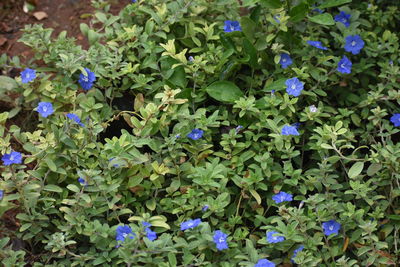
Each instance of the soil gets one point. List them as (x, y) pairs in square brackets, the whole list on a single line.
[(61, 15)]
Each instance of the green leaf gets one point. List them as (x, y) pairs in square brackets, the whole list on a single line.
[(248, 27), (356, 169), (323, 19), (7, 84), (332, 3), (252, 52), (50, 163), (298, 12), (53, 188), (224, 91), (256, 196), (73, 188), (373, 168), (274, 4)]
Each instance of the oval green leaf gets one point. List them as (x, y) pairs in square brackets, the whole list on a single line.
[(224, 91), (323, 19), (356, 169)]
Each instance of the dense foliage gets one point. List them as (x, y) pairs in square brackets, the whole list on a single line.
[(206, 133)]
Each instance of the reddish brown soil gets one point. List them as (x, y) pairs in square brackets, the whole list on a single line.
[(62, 15)]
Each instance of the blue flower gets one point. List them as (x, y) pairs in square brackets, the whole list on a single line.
[(1, 194), (264, 263), (151, 235), (238, 128), (86, 82), (28, 75), (331, 227), (285, 60), (277, 18), (205, 208), (395, 119), (134, 1), (189, 224), (354, 44), (317, 44), (282, 197), (195, 134), (12, 158), (297, 250), (318, 10), (343, 18), (75, 118), (232, 25), (220, 240), (274, 237), (296, 125), (191, 59), (294, 86), (45, 109), (146, 224), (124, 231), (289, 130), (344, 65), (82, 181)]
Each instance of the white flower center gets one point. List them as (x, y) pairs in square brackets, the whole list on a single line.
[(353, 43), (283, 59), (331, 227), (44, 108), (85, 78), (342, 66), (27, 75), (221, 240), (282, 198), (293, 86), (124, 235), (344, 20), (11, 157)]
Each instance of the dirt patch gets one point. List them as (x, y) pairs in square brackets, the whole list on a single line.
[(61, 15)]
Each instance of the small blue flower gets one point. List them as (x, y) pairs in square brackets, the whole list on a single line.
[(395, 119), (1, 194), (146, 224), (296, 125), (189, 224), (205, 208), (264, 263), (232, 25), (45, 109), (82, 181), (331, 227), (238, 128), (343, 18), (317, 44), (151, 235), (354, 44), (285, 60), (86, 82), (220, 240), (277, 18), (124, 231), (391, 62), (274, 237), (195, 134), (297, 250), (289, 130), (282, 197), (191, 59), (12, 158), (75, 118), (134, 1), (28, 75), (318, 10), (294, 86), (313, 108), (344, 65)]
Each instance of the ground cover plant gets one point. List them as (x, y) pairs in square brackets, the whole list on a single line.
[(206, 133)]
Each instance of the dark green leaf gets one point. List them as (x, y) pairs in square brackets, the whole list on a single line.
[(298, 12), (332, 3), (271, 3)]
